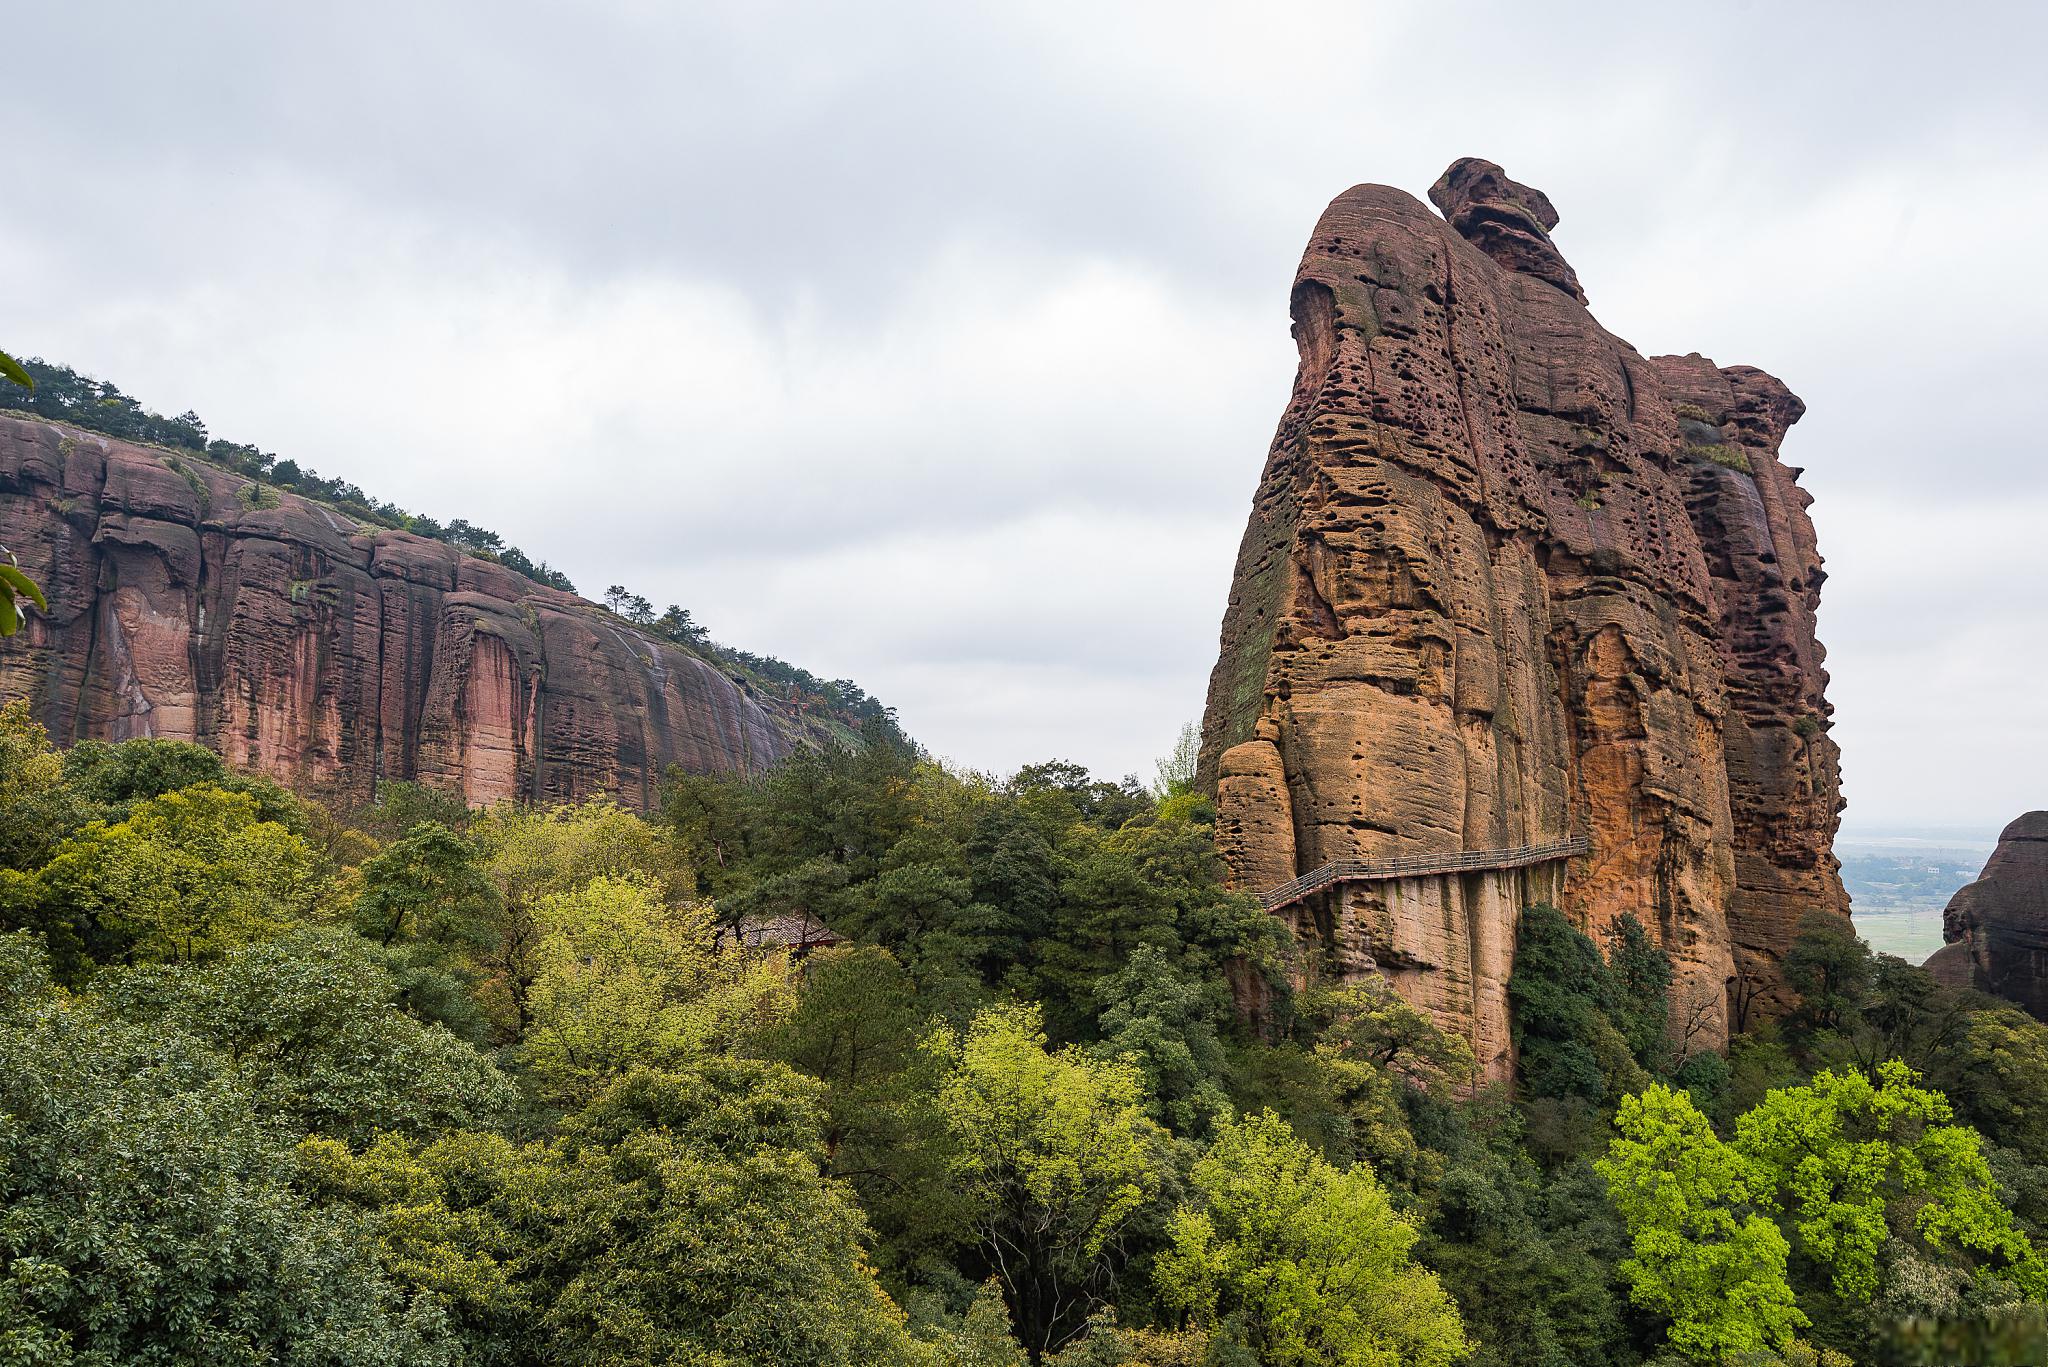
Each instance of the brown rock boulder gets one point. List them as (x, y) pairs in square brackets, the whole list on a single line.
[(187, 602), (1504, 218), (1997, 927), (1508, 581)]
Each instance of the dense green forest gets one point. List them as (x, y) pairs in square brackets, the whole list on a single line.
[(416, 1084)]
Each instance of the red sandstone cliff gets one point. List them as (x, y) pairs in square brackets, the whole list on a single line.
[(1507, 581), (187, 602)]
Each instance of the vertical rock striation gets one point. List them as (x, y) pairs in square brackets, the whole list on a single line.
[(187, 602), (1506, 581), (1997, 927)]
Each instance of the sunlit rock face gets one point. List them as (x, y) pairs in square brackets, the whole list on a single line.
[(186, 602), (1507, 581), (1997, 927)]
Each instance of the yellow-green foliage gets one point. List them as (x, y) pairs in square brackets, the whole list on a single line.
[(1845, 1157), (623, 977), (1053, 1151), (1844, 1164), (188, 875), (1706, 1255), (1307, 1263)]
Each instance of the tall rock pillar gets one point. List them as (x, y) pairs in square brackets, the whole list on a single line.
[(1506, 582)]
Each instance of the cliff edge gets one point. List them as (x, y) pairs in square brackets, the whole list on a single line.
[(189, 602)]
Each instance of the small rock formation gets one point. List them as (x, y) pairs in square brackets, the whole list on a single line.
[(188, 602), (1504, 218), (1997, 927), (1506, 581)]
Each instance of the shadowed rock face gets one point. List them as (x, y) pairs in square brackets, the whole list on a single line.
[(1506, 580), (186, 602), (1997, 927)]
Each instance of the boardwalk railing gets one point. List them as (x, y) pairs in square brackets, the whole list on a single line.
[(1417, 866)]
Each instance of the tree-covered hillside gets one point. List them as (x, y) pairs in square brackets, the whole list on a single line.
[(423, 1085)]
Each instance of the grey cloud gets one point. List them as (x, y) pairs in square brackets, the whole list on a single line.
[(939, 344)]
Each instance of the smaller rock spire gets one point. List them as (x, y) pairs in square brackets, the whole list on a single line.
[(1504, 218)]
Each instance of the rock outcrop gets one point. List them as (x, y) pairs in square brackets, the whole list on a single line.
[(1997, 927), (1507, 581), (188, 602)]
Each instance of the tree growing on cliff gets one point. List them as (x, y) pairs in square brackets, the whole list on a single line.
[(14, 585)]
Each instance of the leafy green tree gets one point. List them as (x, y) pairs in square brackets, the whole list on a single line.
[(856, 1026), (432, 887), (919, 904), (1168, 1023), (1177, 770), (308, 1026), (428, 901), (1641, 975), (1371, 1021), (709, 816), (621, 978), (980, 1338), (188, 875), (681, 1218), (1854, 1163), (534, 853), (1057, 1159), (849, 806), (147, 1215), (1705, 1253), (1564, 1001), (37, 807), (1301, 1262), (1017, 871), (1108, 910), (1829, 966), (1530, 1259), (1997, 1077), (401, 806), (12, 581), (118, 776)]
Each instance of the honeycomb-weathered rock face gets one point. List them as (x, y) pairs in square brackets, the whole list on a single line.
[(186, 602), (1997, 927), (1507, 581)]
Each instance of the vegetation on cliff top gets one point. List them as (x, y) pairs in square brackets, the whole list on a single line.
[(61, 394), (538, 1086)]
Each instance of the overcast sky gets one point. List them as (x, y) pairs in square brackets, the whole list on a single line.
[(939, 345)]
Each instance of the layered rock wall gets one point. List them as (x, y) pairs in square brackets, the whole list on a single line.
[(1506, 581), (188, 602), (1997, 927)]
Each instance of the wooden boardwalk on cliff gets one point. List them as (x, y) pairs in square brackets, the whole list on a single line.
[(1419, 866)]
